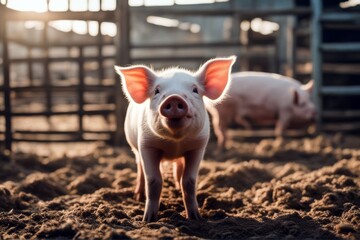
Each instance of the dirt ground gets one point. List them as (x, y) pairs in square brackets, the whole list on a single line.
[(303, 188)]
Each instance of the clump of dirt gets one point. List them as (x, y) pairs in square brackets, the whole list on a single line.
[(266, 189)]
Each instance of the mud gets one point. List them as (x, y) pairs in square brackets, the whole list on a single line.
[(305, 188)]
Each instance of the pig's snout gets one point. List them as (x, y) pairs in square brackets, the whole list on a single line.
[(174, 107)]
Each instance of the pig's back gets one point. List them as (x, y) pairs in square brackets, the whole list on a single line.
[(262, 89)]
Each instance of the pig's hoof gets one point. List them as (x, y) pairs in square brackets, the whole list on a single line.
[(150, 217), (194, 216), (279, 142)]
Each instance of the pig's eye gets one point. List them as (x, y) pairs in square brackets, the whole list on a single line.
[(157, 91), (195, 90)]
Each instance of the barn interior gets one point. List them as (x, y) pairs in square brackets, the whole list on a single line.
[(67, 172)]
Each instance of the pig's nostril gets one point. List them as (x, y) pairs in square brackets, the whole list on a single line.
[(174, 108)]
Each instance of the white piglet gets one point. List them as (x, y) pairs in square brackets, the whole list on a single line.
[(167, 120), (262, 98)]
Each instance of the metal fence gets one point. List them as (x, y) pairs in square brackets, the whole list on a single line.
[(289, 35), (48, 89)]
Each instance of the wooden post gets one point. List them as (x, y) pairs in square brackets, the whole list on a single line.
[(122, 42), (6, 72), (81, 77), (316, 39)]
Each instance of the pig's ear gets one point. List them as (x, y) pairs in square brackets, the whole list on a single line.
[(136, 81), (215, 75), (309, 86), (295, 96)]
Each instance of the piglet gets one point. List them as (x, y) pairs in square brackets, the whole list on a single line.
[(264, 99), (167, 120)]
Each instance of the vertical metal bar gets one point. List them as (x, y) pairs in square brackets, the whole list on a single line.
[(81, 77), (6, 72), (280, 47), (100, 59), (290, 21), (294, 56), (100, 52), (122, 42), (30, 70), (316, 40), (122, 16), (244, 40), (236, 35), (47, 80)]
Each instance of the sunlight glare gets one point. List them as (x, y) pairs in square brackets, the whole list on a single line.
[(34, 5), (349, 3), (183, 2), (264, 27), (94, 5), (108, 28), (184, 26), (78, 5), (161, 21), (245, 25), (79, 27), (34, 25), (174, 23), (159, 3), (108, 5), (195, 28), (136, 3), (62, 25), (93, 28), (58, 5)]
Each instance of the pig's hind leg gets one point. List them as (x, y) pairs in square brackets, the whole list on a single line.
[(282, 123), (139, 194), (220, 127), (280, 127), (240, 119)]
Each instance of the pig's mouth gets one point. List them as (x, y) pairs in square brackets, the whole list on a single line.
[(177, 123)]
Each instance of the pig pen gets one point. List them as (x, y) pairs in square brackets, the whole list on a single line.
[(301, 188)]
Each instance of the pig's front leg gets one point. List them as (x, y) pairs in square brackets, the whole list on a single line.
[(188, 183), (150, 158)]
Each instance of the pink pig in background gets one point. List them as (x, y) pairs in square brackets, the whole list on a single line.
[(262, 98), (167, 120)]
